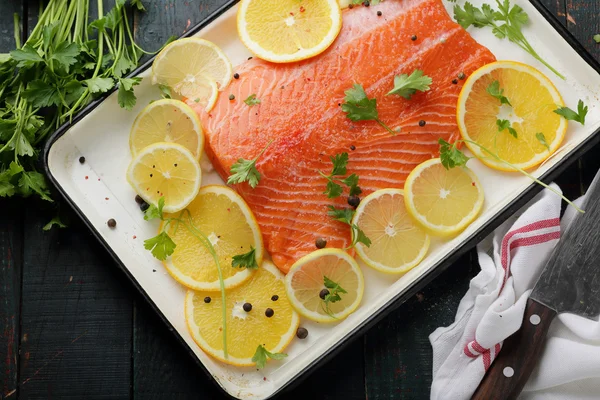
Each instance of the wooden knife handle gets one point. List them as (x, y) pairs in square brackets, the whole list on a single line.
[(520, 352)]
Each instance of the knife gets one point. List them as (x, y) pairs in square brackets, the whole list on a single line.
[(570, 282)]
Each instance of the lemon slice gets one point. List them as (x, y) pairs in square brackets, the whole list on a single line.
[(397, 244), (193, 68), (223, 217), (245, 330), (533, 98), (442, 201), (288, 30), (305, 281), (169, 121), (166, 170)]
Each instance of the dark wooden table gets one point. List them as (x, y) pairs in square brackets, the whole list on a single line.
[(73, 327)]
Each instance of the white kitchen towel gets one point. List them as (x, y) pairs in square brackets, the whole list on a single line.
[(511, 259)]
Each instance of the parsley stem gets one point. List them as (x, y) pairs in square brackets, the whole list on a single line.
[(17, 30), (385, 126), (527, 174)]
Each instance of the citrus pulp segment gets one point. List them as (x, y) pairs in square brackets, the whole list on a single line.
[(246, 330), (533, 99), (397, 243), (288, 30), (170, 121), (166, 170), (442, 201), (305, 281), (223, 217)]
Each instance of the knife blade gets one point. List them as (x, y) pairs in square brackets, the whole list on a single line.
[(570, 282)]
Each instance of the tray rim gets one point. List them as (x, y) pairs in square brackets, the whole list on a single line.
[(400, 298)]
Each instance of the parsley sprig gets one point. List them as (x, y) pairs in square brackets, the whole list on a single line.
[(358, 107), (245, 170), (407, 85), (261, 354), (252, 100), (162, 246), (504, 124), (495, 91), (452, 157), (571, 115), (335, 290), (506, 23), (345, 215), (246, 260), (340, 162)]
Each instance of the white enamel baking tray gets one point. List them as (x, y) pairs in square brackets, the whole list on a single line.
[(98, 190)]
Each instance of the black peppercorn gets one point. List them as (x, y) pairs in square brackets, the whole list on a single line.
[(379, 13), (461, 76), (231, 97), (454, 81), (247, 307), (111, 223), (367, 3), (269, 312), (422, 122), (138, 199), (236, 76), (207, 299), (301, 333), (413, 37), (144, 206), (354, 201), (274, 297), (82, 159), (323, 293), (320, 243), (352, 147)]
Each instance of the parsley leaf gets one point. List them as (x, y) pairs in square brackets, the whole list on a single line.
[(54, 221), (252, 100), (41, 94), (340, 162), (494, 90), (505, 124), (345, 215), (34, 182), (334, 290), (138, 4), (99, 84), (406, 85), (66, 54), (154, 212), (261, 354), (126, 97), (542, 139), (165, 91), (571, 115), (451, 156), (245, 170), (26, 56), (161, 246), (246, 260), (358, 107)]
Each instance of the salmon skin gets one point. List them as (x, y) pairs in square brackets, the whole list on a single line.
[(300, 110)]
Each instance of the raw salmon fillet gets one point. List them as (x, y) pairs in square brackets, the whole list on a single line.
[(300, 111)]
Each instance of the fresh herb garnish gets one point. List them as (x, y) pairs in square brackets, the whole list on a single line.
[(252, 100), (571, 115), (261, 354), (56, 221), (245, 170), (162, 246), (504, 124), (495, 91), (358, 107), (406, 85), (542, 139), (451, 157), (340, 161), (246, 260), (335, 290), (506, 23), (597, 38), (345, 215)]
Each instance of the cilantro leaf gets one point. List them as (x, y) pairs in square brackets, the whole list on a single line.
[(155, 211), (138, 4), (245, 170), (126, 97), (406, 85), (66, 54), (571, 115), (505, 124), (357, 106), (99, 84), (26, 56), (252, 100), (41, 94), (161, 246), (34, 182), (54, 221), (246, 260), (450, 155), (495, 91), (261, 354), (542, 139)]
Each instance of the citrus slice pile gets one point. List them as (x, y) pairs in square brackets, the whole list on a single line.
[(193, 68), (246, 330), (169, 121), (288, 30), (442, 201), (305, 282), (397, 243), (533, 99), (166, 170), (225, 219)]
